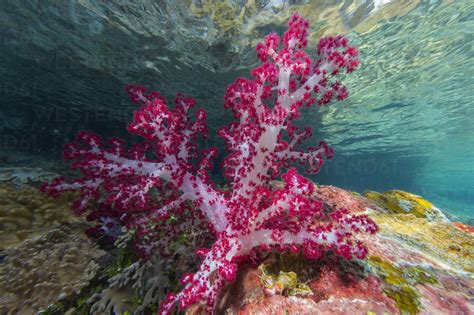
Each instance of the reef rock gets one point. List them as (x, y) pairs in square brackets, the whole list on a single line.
[(397, 201), (43, 270), (418, 263), (25, 212), (446, 245), (464, 227), (335, 197)]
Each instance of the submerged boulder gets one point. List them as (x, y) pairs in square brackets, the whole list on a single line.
[(402, 202), (418, 263), (451, 247)]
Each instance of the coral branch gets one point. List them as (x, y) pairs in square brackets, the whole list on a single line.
[(160, 187)]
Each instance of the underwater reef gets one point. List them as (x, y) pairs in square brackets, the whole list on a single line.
[(25, 212), (415, 265), (150, 221), (47, 269)]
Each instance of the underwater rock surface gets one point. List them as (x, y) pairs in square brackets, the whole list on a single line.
[(25, 212), (416, 265), (43, 270), (397, 201)]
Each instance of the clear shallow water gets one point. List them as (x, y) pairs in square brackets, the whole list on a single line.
[(408, 123), (412, 99)]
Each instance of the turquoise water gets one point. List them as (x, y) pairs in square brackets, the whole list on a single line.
[(412, 101), (408, 123)]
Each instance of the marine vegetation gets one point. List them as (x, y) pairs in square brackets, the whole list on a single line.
[(160, 187)]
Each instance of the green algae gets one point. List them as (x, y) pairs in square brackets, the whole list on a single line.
[(406, 298), (402, 202), (420, 275), (441, 240), (400, 282)]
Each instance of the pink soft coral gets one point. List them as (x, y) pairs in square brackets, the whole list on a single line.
[(252, 216)]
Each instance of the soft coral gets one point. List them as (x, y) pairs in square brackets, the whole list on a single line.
[(253, 216)]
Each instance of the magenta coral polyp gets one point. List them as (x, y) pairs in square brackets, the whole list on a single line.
[(253, 215)]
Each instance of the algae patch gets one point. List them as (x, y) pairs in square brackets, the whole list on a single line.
[(440, 240), (402, 202), (400, 282)]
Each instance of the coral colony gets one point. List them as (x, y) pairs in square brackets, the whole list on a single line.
[(162, 183)]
